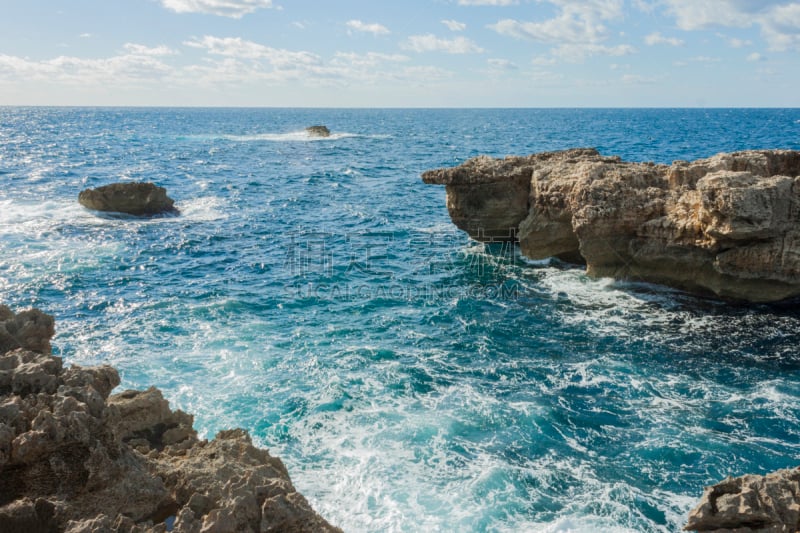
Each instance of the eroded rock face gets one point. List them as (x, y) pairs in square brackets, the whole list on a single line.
[(133, 198), (31, 330), (73, 458), (727, 226), (765, 504)]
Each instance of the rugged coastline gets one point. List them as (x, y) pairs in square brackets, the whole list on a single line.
[(727, 226), (74, 457)]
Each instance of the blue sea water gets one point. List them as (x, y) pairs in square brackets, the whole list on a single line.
[(314, 292)]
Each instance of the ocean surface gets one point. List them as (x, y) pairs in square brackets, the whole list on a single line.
[(315, 292)]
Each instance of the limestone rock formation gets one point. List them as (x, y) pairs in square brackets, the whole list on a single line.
[(318, 131), (764, 504), (727, 226), (133, 198), (73, 458), (31, 330)]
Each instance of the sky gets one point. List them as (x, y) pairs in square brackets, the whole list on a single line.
[(401, 53)]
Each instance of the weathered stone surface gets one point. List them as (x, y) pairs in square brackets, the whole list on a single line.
[(31, 330), (727, 226), (73, 458), (133, 198), (765, 504), (318, 131)]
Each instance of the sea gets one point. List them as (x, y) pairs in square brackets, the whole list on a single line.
[(315, 292)]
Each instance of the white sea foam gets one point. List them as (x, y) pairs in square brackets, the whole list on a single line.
[(203, 209), (294, 136)]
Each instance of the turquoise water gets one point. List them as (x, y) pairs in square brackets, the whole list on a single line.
[(314, 292)]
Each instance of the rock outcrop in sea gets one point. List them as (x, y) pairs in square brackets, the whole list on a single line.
[(726, 226), (75, 458), (318, 131), (132, 198), (764, 504)]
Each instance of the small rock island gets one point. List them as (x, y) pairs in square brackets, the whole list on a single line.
[(318, 131), (132, 198)]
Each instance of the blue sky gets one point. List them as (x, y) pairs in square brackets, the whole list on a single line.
[(418, 53)]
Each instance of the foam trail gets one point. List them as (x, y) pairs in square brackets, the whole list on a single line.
[(294, 136)]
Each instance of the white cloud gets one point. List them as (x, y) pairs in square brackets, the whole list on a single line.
[(550, 31), (779, 20), (374, 28), (735, 42), (755, 57), (85, 35), (543, 61), (542, 77), (696, 59), (142, 50), (637, 79), (234, 63), (135, 65), (238, 48), (488, 2), (695, 15), (578, 30), (501, 64), (579, 52), (245, 61), (704, 59), (224, 8), (370, 59), (656, 38), (578, 21), (454, 25), (431, 43), (644, 6), (781, 27)]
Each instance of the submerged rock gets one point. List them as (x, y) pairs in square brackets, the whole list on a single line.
[(727, 226), (75, 458), (318, 131), (133, 198), (765, 504)]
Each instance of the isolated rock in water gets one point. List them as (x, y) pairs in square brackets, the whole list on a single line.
[(133, 198), (318, 131), (73, 458), (767, 504), (727, 226)]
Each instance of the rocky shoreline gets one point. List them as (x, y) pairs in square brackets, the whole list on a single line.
[(74, 457), (727, 226)]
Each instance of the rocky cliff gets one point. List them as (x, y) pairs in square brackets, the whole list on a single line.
[(727, 226), (75, 458)]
